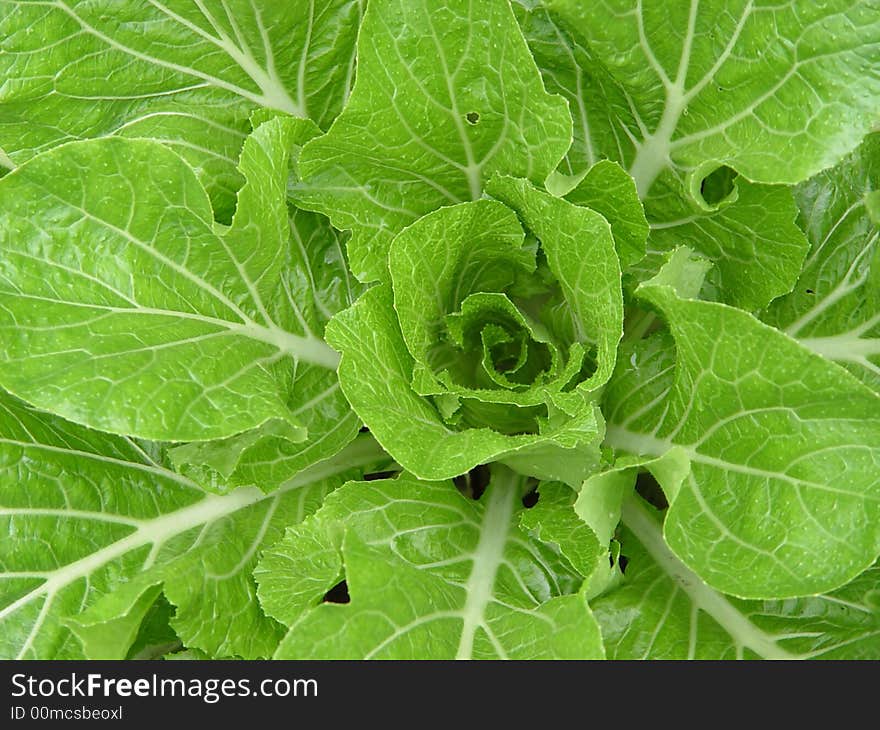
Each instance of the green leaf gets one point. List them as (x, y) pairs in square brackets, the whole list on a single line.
[(609, 190), (189, 74), (661, 610), (126, 314), (835, 307), (267, 456), (784, 487), (445, 96), (113, 633), (751, 237), (155, 637), (600, 106), (777, 92), (600, 501), (318, 285), (553, 521), (431, 575), (376, 373), (580, 254), (99, 522), (682, 99)]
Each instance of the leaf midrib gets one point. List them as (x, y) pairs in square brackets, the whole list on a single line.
[(309, 348), (273, 95), (487, 558), (158, 530), (642, 524)]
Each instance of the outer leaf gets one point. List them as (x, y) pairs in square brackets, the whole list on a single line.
[(132, 316), (191, 79), (777, 92), (99, 522), (663, 611), (651, 109), (600, 106), (446, 95), (318, 284), (267, 456), (835, 308), (431, 574), (752, 237), (784, 489)]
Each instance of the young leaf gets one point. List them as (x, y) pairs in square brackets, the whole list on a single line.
[(189, 74), (581, 257), (100, 524), (430, 574), (835, 307), (473, 364), (445, 96), (783, 494), (376, 376), (126, 313)]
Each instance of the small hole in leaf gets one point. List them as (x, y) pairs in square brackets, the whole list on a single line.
[(718, 184), (379, 475), (530, 499), (474, 483), (364, 429), (649, 490), (337, 594), (472, 117), (810, 291)]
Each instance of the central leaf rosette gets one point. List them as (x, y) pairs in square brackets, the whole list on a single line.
[(500, 322)]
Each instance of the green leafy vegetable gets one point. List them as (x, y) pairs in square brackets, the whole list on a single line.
[(429, 573), (400, 329), (192, 80), (835, 306), (499, 354), (445, 96), (100, 524), (783, 492)]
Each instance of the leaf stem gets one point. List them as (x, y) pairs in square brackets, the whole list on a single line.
[(5, 160), (640, 324), (638, 518), (488, 556)]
